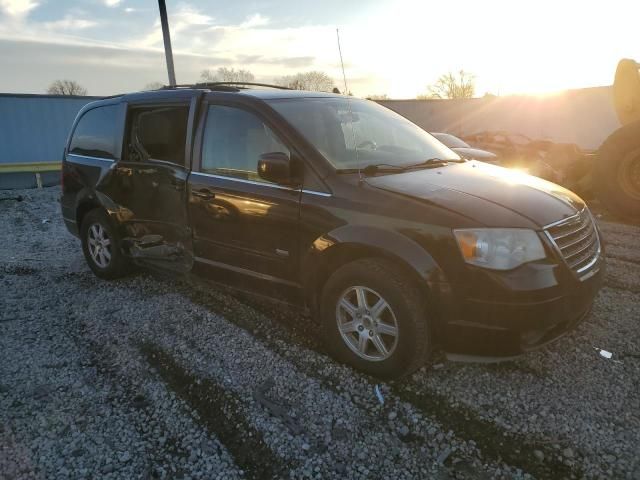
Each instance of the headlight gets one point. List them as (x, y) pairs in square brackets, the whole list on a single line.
[(499, 248)]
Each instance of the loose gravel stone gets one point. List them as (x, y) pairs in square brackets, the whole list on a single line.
[(153, 377)]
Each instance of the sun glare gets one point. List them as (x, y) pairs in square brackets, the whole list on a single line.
[(541, 50)]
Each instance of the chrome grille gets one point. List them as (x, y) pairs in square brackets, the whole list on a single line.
[(576, 239)]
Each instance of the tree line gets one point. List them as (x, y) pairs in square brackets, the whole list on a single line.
[(451, 85), (313, 80)]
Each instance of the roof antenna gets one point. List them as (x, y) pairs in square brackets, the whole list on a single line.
[(346, 92), (344, 77)]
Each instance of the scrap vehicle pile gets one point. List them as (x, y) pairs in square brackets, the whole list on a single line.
[(563, 163), (616, 164)]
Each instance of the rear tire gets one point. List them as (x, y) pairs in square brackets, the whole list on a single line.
[(389, 341), (101, 246), (617, 172)]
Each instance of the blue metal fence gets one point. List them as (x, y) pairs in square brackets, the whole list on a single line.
[(33, 130)]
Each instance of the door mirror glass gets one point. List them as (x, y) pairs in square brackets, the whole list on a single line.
[(275, 167)]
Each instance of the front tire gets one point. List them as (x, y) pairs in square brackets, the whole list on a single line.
[(101, 246), (375, 319)]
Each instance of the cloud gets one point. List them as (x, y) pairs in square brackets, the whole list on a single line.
[(185, 18), (199, 41), (17, 8), (293, 62), (70, 23), (256, 20), (102, 70), (112, 3)]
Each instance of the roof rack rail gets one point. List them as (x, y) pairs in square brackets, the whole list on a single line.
[(232, 86)]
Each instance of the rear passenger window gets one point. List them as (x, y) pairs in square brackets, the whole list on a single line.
[(233, 141), (97, 132), (157, 133)]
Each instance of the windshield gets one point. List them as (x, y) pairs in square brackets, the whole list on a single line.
[(451, 141), (354, 133)]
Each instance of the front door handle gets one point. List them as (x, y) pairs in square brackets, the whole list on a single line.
[(204, 193), (124, 171)]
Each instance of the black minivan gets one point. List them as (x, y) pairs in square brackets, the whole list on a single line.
[(394, 243)]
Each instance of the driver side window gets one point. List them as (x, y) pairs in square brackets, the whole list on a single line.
[(233, 141)]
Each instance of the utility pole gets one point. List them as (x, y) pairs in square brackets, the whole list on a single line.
[(167, 43)]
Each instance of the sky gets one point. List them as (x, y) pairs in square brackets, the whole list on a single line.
[(392, 47)]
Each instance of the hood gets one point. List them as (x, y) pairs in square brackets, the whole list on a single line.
[(475, 153), (501, 189)]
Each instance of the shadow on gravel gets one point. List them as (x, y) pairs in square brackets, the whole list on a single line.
[(516, 367), (623, 258), (618, 285), (495, 442), (127, 396), (294, 319), (20, 270), (220, 413)]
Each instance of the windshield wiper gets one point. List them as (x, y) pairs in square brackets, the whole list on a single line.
[(373, 168), (432, 162), (381, 167), (387, 167)]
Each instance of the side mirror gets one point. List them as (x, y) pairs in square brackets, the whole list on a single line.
[(276, 167)]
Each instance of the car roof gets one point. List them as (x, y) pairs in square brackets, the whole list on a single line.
[(181, 93), (261, 93), (274, 93)]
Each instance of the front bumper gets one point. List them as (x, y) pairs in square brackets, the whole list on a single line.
[(515, 322)]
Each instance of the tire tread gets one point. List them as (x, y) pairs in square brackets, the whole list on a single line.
[(414, 298), (119, 266), (610, 155)]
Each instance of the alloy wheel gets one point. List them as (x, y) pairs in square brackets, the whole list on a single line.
[(367, 323), (99, 245)]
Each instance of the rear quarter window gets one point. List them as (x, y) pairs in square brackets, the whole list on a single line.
[(97, 133)]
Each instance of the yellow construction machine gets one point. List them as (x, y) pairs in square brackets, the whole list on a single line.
[(616, 173)]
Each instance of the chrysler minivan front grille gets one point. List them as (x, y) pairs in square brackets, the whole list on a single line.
[(577, 241)]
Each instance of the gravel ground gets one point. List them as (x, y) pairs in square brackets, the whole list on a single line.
[(154, 377)]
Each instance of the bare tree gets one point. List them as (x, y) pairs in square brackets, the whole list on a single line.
[(224, 74), (154, 86), (315, 81), (451, 85), (66, 87)]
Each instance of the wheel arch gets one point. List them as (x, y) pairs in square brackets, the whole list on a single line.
[(88, 200), (85, 206), (330, 251)]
